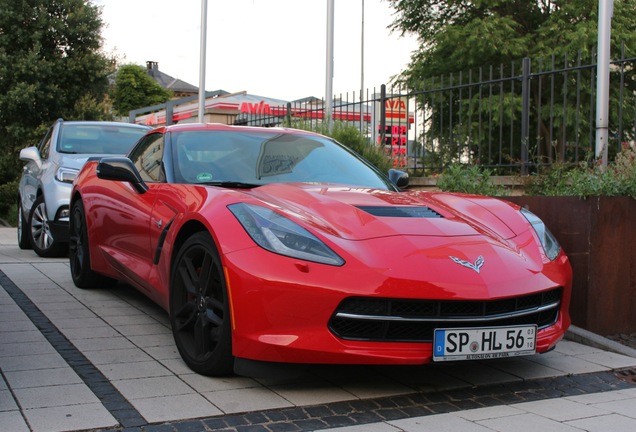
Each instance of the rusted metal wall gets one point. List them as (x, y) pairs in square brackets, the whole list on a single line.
[(612, 266), (599, 236)]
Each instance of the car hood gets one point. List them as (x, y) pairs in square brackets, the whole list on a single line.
[(360, 213), (77, 161)]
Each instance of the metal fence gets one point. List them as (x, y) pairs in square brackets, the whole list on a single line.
[(511, 119)]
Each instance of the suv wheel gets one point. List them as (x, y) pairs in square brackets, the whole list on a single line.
[(40, 233)]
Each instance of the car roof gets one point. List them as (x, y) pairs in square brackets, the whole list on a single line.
[(104, 123), (224, 127)]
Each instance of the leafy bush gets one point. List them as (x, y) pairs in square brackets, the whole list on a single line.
[(470, 179), (618, 178), (8, 202), (586, 179)]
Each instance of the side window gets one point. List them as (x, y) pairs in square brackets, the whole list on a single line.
[(45, 144), (147, 157)]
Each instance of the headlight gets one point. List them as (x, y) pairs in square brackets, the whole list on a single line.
[(66, 175), (280, 235), (548, 241)]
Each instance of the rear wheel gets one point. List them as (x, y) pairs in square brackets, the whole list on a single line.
[(40, 234), (23, 229), (199, 308), (79, 255)]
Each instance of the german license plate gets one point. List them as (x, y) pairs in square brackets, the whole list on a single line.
[(484, 343)]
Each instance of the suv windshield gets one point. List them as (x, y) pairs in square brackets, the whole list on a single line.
[(97, 139)]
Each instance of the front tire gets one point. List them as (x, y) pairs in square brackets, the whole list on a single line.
[(23, 229), (40, 234), (79, 254), (199, 308)]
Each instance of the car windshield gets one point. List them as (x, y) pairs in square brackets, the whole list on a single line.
[(97, 138), (250, 158)]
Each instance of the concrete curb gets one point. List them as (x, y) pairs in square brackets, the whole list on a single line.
[(577, 334)]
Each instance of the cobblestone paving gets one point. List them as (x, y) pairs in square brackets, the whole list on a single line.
[(314, 418), (322, 416)]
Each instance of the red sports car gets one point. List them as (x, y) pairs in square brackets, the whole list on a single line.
[(279, 245)]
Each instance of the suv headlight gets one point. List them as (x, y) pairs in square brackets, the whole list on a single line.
[(66, 175), (280, 235), (550, 244)]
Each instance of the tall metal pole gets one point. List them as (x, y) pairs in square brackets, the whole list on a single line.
[(329, 77), (605, 12), (362, 69), (204, 21)]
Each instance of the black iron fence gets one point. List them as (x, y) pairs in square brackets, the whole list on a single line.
[(512, 119)]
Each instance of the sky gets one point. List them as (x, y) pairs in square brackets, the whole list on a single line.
[(272, 48)]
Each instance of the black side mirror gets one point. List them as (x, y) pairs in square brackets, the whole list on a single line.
[(399, 178), (121, 169)]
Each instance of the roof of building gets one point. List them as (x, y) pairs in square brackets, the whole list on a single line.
[(168, 82)]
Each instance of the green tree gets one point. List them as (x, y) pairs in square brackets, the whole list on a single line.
[(461, 39), (51, 66), (134, 88), (458, 35)]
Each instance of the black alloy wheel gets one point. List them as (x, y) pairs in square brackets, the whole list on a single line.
[(79, 255), (199, 308)]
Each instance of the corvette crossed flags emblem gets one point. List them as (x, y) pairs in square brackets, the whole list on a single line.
[(475, 266)]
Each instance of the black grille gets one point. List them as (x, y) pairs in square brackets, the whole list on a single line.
[(399, 320)]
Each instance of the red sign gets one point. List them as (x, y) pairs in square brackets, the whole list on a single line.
[(395, 105), (396, 108), (256, 108), (395, 140)]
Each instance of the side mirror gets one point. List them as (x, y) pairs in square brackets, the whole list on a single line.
[(399, 178), (31, 154), (121, 169)]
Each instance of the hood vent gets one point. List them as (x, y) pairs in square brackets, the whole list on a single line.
[(403, 211)]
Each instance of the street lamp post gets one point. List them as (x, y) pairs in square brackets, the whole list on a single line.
[(361, 67), (204, 20), (329, 73), (605, 11)]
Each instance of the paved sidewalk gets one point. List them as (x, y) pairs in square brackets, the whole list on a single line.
[(104, 359)]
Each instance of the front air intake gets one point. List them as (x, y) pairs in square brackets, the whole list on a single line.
[(401, 212), (404, 320)]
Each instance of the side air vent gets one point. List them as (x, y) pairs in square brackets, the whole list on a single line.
[(403, 211)]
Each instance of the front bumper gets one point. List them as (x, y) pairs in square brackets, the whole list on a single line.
[(57, 198), (60, 230), (281, 307)]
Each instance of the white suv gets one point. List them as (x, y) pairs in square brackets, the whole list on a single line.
[(45, 186)]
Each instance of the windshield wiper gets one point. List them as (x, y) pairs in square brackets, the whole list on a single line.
[(231, 184)]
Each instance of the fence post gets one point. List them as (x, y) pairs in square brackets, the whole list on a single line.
[(169, 113), (525, 115), (288, 114), (382, 114)]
